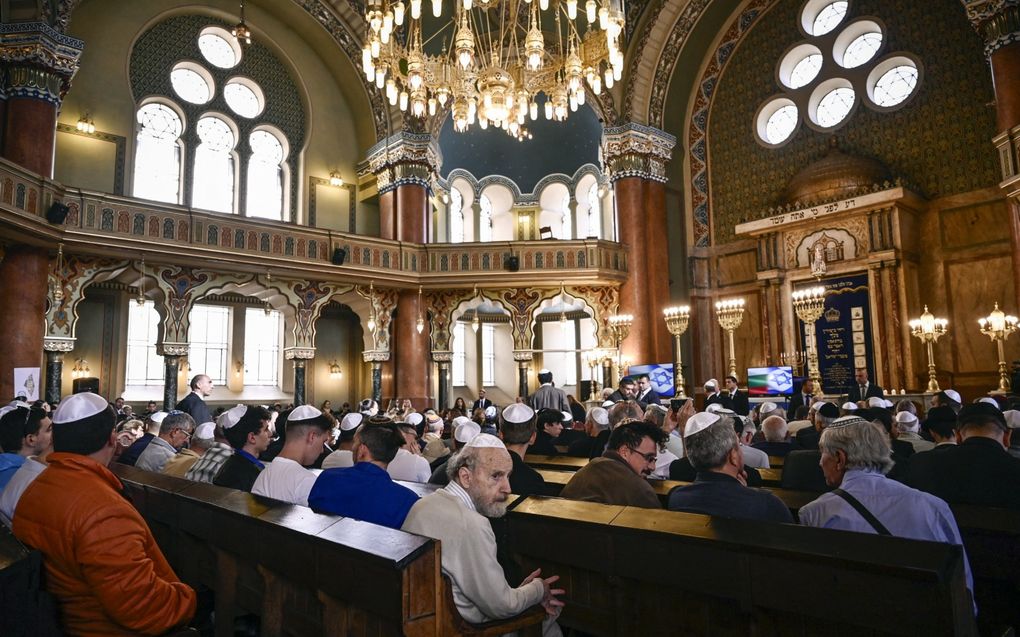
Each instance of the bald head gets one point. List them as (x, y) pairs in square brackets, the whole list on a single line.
[(774, 429)]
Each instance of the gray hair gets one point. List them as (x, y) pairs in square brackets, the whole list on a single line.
[(179, 420), (708, 448), (201, 443), (866, 446), (655, 414), (774, 428), (824, 421), (465, 457), (626, 410)]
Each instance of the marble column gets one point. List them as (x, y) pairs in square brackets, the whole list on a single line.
[(411, 350), (299, 382), (522, 379), (998, 22), (636, 158), (23, 289), (54, 374), (170, 373), (377, 381), (444, 385)]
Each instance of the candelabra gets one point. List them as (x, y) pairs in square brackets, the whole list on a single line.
[(677, 320), (619, 327), (730, 314), (809, 304), (998, 326), (794, 359), (592, 359), (929, 329)]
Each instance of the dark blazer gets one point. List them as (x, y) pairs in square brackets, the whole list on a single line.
[(720, 399), (778, 449), (978, 471), (740, 402), (649, 397), (544, 445), (237, 473), (683, 471), (801, 471), (481, 403), (524, 480), (796, 401), (195, 407), (719, 494), (854, 393)]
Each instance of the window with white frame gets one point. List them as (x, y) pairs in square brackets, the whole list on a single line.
[(456, 216), (262, 332), (213, 185), (265, 175), (459, 361), (566, 221), (488, 355), (209, 339), (144, 365), (485, 219), (569, 358), (594, 212), (158, 153)]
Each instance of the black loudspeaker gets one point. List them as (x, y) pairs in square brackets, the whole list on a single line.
[(512, 263), (57, 213), (339, 255), (79, 385)]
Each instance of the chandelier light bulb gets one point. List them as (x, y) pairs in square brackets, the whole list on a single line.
[(432, 106), (610, 80), (387, 23), (375, 21), (591, 11), (548, 109), (403, 100), (437, 8), (618, 71), (572, 9), (483, 123), (467, 5), (416, 9), (581, 97), (375, 47), (604, 18), (384, 35), (533, 110), (543, 5), (398, 13)]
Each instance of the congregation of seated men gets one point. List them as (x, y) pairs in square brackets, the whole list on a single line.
[(877, 467)]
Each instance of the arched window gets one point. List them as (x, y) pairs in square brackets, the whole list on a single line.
[(485, 219), (594, 212), (213, 185), (456, 216), (265, 176), (567, 221), (158, 153)]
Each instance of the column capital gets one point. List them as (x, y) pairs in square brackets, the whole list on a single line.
[(636, 150), (298, 353), (523, 356), (375, 356), (40, 62), (997, 21), (405, 158), (172, 349), (442, 357), (58, 344)]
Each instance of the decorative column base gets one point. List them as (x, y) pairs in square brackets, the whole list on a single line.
[(523, 359), (377, 381)]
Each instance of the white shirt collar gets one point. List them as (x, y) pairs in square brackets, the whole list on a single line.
[(453, 488)]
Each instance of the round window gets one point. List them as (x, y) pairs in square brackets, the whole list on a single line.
[(192, 83), (219, 47), (244, 97)]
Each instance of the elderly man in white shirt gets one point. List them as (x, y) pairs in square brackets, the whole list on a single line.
[(908, 428), (286, 478), (456, 515)]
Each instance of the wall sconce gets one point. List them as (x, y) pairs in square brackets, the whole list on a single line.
[(241, 32), (335, 179), (81, 369), (334, 370), (475, 322), (86, 125), (140, 300), (371, 305), (420, 323)]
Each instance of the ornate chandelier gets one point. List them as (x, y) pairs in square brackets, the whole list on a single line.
[(504, 54)]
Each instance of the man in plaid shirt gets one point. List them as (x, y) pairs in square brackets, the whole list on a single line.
[(206, 468)]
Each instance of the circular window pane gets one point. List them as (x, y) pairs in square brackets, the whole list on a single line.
[(243, 99), (159, 121), (215, 134), (781, 124), (895, 85), (190, 85), (266, 147), (863, 48), (835, 106), (805, 71), (217, 49), (828, 18)]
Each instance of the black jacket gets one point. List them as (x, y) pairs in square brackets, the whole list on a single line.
[(719, 494), (195, 407), (741, 403), (237, 473), (854, 392), (979, 471), (524, 480), (544, 445)]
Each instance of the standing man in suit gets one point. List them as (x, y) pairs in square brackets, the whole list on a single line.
[(863, 389), (645, 392), (194, 403), (803, 397), (738, 399), (482, 403), (713, 395)]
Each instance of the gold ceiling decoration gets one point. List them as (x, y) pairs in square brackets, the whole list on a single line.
[(504, 55)]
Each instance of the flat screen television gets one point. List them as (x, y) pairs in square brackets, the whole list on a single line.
[(769, 381), (660, 375)]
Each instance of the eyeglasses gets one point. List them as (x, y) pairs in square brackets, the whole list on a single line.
[(649, 457)]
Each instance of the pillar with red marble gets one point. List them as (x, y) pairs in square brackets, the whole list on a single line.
[(998, 22), (636, 158), (38, 64), (404, 166)]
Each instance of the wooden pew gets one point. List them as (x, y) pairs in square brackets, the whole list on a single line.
[(315, 574), (25, 610), (563, 463), (992, 539), (631, 571), (776, 462)]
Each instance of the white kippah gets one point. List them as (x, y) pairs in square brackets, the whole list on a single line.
[(518, 412), (490, 411), (205, 431), (847, 421), (599, 415), (460, 420), (351, 421), (544, 371), (953, 395), (1012, 417), (816, 405), (304, 412), (876, 402), (231, 417), (906, 418), (714, 407), (158, 416), (414, 419), (486, 441), (369, 407), (700, 422), (608, 403), (78, 407), (711, 382), (767, 408), (848, 406), (466, 432), (990, 401), (567, 416)]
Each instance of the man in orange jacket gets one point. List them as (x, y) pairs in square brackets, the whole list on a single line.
[(102, 563)]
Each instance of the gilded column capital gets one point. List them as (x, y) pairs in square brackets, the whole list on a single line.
[(998, 22), (635, 150), (405, 158), (39, 61)]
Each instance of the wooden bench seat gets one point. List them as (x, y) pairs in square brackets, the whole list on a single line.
[(563, 463), (637, 571)]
